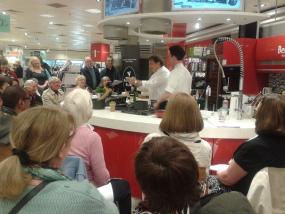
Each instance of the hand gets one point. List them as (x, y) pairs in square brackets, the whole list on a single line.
[(156, 105), (131, 80)]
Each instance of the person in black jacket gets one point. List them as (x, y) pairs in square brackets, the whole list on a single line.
[(110, 70), (91, 73)]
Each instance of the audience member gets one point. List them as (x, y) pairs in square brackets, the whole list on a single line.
[(91, 74), (15, 100), (39, 149), (4, 68), (53, 95), (265, 150), (45, 66), (36, 71), (183, 121), (4, 83), (19, 71), (168, 176), (87, 144), (31, 86), (106, 87), (180, 79), (80, 82), (167, 173), (110, 70)]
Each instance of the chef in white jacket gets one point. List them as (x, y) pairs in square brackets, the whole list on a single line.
[(156, 84)]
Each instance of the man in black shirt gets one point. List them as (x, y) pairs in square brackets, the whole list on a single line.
[(91, 73), (110, 71)]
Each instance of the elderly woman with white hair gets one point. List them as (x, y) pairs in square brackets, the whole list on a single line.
[(87, 145), (31, 86), (53, 95)]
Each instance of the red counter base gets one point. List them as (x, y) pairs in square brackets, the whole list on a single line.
[(120, 148)]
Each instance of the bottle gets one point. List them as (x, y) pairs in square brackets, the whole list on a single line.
[(224, 110)]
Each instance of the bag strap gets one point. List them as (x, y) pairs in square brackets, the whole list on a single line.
[(28, 197)]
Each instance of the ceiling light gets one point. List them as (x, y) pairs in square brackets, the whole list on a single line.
[(162, 41), (93, 11), (98, 0), (228, 19), (57, 38), (26, 34), (88, 25), (128, 23), (51, 23), (147, 40), (46, 15), (25, 46), (262, 5), (4, 13), (39, 43), (13, 40), (197, 26), (199, 19)]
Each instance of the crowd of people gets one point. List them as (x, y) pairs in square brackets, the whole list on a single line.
[(40, 126)]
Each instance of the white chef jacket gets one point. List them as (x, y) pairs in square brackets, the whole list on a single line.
[(156, 84), (180, 80)]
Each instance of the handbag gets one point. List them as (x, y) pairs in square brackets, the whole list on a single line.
[(28, 197)]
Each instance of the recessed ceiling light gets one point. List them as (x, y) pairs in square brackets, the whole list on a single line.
[(228, 19), (51, 23), (262, 5), (13, 40), (39, 43), (197, 25), (98, 0), (162, 41), (147, 40), (88, 25), (25, 46), (26, 34), (199, 19), (57, 38), (93, 11), (4, 13), (128, 23), (47, 15)]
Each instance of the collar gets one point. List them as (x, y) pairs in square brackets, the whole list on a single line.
[(46, 174), (179, 65), (58, 92), (8, 111)]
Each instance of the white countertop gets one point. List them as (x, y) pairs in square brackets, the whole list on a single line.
[(230, 129)]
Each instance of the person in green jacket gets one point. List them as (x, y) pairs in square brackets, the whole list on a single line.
[(40, 139)]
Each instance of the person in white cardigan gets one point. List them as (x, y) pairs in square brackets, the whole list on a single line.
[(183, 121)]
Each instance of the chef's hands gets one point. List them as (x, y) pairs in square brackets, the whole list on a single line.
[(131, 80)]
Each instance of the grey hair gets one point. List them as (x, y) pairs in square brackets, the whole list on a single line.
[(79, 104), (53, 79), (29, 82)]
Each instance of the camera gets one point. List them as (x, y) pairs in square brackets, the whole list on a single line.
[(109, 85)]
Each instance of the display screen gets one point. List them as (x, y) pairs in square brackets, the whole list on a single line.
[(207, 4), (120, 7)]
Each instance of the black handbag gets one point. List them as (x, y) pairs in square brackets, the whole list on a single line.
[(28, 197)]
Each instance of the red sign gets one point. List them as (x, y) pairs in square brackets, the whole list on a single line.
[(271, 49), (100, 52)]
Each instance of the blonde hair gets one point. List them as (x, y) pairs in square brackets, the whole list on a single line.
[(33, 58), (79, 104), (182, 115), (78, 78), (41, 132)]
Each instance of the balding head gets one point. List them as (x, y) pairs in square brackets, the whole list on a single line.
[(88, 61)]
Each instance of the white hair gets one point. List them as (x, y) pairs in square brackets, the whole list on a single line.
[(29, 82), (79, 104), (53, 79)]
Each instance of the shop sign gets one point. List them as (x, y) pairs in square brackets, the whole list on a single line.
[(4, 23), (281, 50)]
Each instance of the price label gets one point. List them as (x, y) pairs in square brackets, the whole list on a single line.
[(4, 23)]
